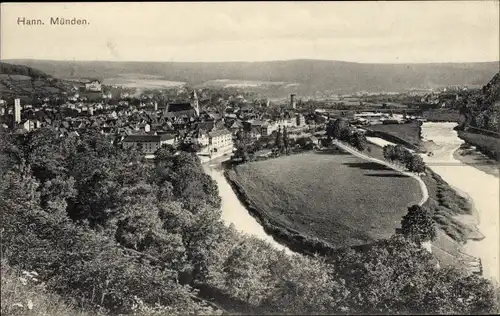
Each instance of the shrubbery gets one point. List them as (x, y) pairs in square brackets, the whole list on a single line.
[(413, 162), (340, 129)]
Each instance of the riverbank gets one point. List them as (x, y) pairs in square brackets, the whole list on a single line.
[(469, 155), (481, 187), (455, 213), (487, 145)]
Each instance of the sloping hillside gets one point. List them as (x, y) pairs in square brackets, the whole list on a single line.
[(26, 82), (483, 110), (310, 75), (491, 91)]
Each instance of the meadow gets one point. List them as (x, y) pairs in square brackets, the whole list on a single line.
[(409, 132), (337, 198)]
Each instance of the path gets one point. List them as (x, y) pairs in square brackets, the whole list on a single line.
[(423, 187)]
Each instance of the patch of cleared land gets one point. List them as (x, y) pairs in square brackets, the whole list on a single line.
[(409, 132), (442, 115), (231, 83), (141, 83), (338, 198)]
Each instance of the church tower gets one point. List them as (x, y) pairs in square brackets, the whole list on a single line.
[(194, 103)]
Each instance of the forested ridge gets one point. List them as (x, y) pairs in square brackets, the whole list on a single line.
[(482, 109), (110, 233)]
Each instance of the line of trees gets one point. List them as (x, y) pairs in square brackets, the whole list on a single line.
[(109, 231), (398, 153), (341, 130)]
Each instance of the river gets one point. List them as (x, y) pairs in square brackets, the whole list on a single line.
[(233, 211), (481, 187)]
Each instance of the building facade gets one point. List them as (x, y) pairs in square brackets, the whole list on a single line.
[(94, 86), (148, 144), (220, 142)]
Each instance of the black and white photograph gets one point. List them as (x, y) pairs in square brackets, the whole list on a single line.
[(250, 158)]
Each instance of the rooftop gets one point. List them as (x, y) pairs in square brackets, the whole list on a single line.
[(148, 138), (177, 107)]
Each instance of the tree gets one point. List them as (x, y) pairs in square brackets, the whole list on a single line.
[(415, 164), (339, 128), (358, 140), (418, 224), (278, 142), (190, 147), (164, 152), (389, 153), (285, 140)]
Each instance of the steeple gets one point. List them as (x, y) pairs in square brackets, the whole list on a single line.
[(195, 104)]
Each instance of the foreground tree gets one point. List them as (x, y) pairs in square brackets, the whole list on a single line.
[(358, 140), (419, 225), (415, 164)]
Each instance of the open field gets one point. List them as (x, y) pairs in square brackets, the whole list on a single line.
[(409, 132), (338, 198), (442, 115), (141, 83)]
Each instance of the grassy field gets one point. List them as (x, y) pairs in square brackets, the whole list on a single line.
[(442, 115), (409, 132), (338, 198)]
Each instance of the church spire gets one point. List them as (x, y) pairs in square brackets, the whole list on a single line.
[(195, 104)]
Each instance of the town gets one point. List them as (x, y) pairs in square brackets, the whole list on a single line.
[(147, 122)]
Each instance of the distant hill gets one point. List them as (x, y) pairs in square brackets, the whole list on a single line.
[(18, 81), (300, 76)]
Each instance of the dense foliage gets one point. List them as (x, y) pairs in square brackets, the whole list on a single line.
[(482, 110), (108, 231), (341, 130), (419, 225), (398, 153)]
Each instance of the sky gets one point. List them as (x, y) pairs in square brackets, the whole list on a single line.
[(367, 32)]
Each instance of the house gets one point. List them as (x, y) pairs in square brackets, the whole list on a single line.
[(30, 125), (221, 141), (197, 136), (255, 132), (148, 144), (268, 128), (94, 86), (236, 126), (300, 120)]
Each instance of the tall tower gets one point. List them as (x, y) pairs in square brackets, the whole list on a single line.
[(293, 102), (195, 103), (17, 111)]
